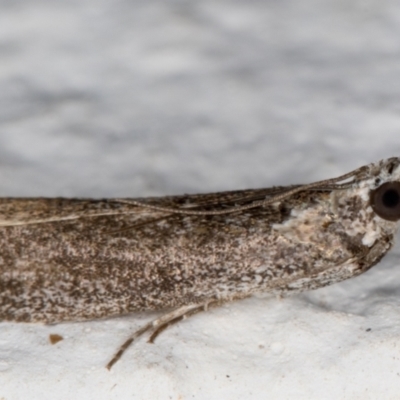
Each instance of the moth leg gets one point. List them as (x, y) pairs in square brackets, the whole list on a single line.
[(164, 326), (167, 324), (160, 324)]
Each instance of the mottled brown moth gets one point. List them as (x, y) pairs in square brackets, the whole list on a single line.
[(79, 259)]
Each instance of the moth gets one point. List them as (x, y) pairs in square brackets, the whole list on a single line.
[(79, 259)]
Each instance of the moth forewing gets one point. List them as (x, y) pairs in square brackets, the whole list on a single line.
[(80, 259)]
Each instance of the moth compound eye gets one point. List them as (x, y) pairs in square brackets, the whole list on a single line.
[(385, 201)]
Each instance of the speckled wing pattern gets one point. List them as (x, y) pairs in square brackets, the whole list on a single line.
[(79, 259)]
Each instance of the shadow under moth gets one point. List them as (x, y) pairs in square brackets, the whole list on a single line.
[(79, 259)]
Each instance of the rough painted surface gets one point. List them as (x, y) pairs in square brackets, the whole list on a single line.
[(127, 99)]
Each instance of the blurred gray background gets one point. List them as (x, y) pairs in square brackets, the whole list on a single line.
[(132, 98)]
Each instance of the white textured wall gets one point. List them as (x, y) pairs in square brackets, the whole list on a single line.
[(132, 98)]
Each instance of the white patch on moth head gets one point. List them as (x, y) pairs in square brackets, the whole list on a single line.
[(365, 190), (366, 224), (371, 236)]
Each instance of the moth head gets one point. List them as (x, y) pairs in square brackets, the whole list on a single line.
[(385, 200)]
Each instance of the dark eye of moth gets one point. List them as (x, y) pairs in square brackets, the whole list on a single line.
[(385, 201)]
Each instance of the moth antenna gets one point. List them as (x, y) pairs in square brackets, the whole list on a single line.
[(315, 185)]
